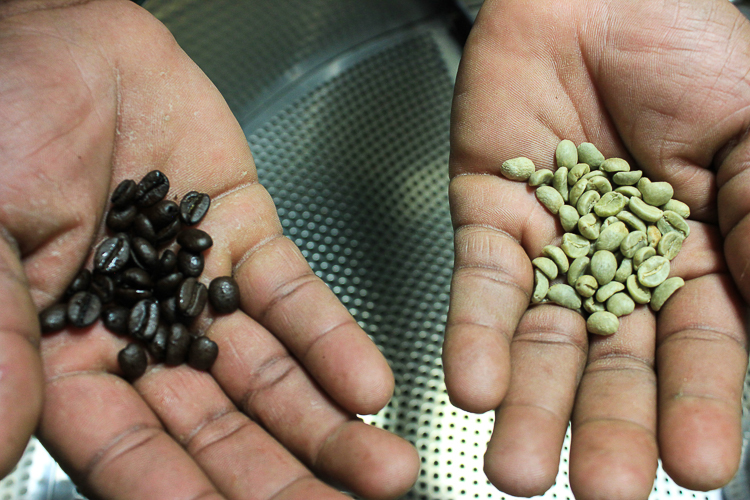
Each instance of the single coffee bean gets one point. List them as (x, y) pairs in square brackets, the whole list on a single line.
[(547, 266), (632, 221), (194, 240), (151, 189), (677, 207), (202, 353), (121, 219), (103, 286), (629, 191), (565, 296), (670, 244), (569, 217), (144, 319), (550, 198), (590, 176), (224, 294), (588, 153), (166, 234), (163, 213), (624, 270), (611, 203), (81, 283), (158, 345), (591, 305), (654, 271), (54, 318), (112, 255), (620, 304), (576, 191), (602, 323), (144, 253), (608, 290), (646, 212), (566, 154), (194, 207), (662, 292), (517, 169), (124, 194), (614, 165), (557, 256), (639, 293), (84, 309), (115, 319), (137, 279), (167, 262), (168, 285), (672, 221), (654, 235), (601, 184), (560, 182), (587, 201), (586, 285), (541, 177), (169, 310), (633, 242), (578, 171), (577, 269), (129, 296), (191, 298), (142, 227), (642, 255), (603, 266), (177, 345), (132, 360), (189, 264), (575, 245), (630, 178), (541, 287), (655, 193), (589, 226), (611, 236)]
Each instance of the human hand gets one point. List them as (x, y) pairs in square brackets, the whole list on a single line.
[(92, 93), (664, 85)]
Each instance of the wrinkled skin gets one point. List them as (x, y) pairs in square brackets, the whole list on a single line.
[(665, 85), (95, 92)]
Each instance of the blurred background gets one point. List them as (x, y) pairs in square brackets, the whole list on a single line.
[(346, 106)]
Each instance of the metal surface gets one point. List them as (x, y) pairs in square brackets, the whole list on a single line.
[(346, 106)]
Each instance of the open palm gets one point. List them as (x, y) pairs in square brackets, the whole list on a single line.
[(664, 85), (92, 93)]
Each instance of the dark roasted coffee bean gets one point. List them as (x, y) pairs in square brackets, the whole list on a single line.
[(121, 219), (169, 310), (112, 255), (191, 298), (80, 283), (54, 318), (190, 264), (124, 194), (224, 294), (144, 319), (167, 262), (177, 345), (193, 207), (144, 253), (132, 361), (194, 240), (142, 227), (168, 285), (168, 233), (130, 297), (152, 189), (103, 286), (158, 345), (84, 309), (202, 354), (137, 279), (115, 319), (163, 213)]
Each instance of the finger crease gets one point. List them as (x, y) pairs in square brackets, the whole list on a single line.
[(264, 385), (287, 290), (291, 484), (536, 406), (702, 333), (552, 339), (235, 189), (466, 271), (214, 417), (235, 429), (616, 420), (493, 330), (137, 435), (494, 229), (609, 362), (326, 333), (254, 249)]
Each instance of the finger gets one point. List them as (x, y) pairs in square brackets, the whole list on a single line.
[(20, 366), (702, 360), (613, 451), (491, 284), (102, 432), (236, 453), (549, 352), (270, 385)]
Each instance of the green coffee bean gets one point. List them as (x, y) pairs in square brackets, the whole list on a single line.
[(577, 172), (541, 286), (630, 178), (560, 182), (642, 255), (610, 204), (631, 221), (577, 269), (540, 177), (557, 256), (620, 304), (566, 154), (677, 207), (662, 292), (575, 245), (586, 285), (518, 169), (591, 175), (546, 265), (629, 191), (601, 184), (550, 198), (602, 323), (655, 193), (588, 226), (670, 245), (672, 221), (564, 295), (608, 290), (639, 293), (611, 236), (576, 191), (653, 271), (587, 201), (589, 154), (603, 266), (646, 212), (591, 305), (614, 165), (653, 234), (624, 270), (568, 217), (632, 243)]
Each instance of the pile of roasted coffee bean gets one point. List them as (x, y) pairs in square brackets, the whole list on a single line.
[(153, 297), (621, 232)]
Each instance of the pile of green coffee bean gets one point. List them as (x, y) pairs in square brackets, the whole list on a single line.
[(621, 232)]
